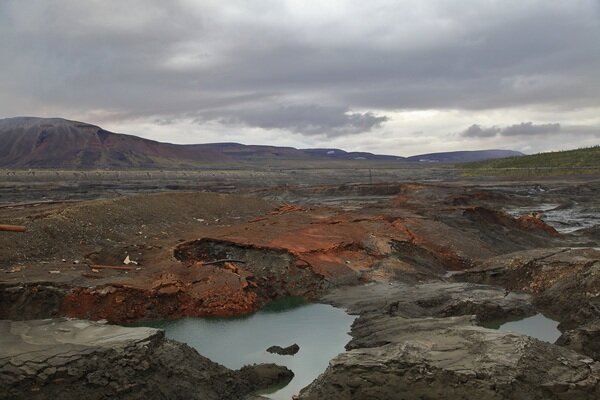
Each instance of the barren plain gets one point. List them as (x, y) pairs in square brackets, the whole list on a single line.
[(423, 256)]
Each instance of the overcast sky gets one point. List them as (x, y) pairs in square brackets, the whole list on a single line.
[(395, 77)]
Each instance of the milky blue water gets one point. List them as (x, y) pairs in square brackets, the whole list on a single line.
[(320, 330)]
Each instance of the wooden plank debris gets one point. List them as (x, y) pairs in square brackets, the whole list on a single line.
[(115, 267), (12, 228)]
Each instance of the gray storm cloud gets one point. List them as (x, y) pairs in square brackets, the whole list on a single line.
[(297, 66), (528, 128), (477, 131), (306, 119), (522, 129)]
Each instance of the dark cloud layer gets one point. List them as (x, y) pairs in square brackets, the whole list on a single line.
[(314, 68), (307, 119), (528, 128), (477, 131), (522, 129)]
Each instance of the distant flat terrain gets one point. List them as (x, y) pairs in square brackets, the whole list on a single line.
[(25, 185)]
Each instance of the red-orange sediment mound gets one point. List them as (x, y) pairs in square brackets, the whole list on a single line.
[(533, 222), (292, 250)]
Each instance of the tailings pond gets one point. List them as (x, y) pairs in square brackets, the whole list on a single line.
[(565, 219), (320, 330), (537, 326)]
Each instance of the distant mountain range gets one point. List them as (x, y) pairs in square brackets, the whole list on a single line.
[(464, 156), (30, 142)]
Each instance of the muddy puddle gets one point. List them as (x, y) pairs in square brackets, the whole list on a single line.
[(537, 326), (320, 330), (565, 219)]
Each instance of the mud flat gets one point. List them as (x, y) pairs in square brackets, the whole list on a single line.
[(35, 185), (385, 257)]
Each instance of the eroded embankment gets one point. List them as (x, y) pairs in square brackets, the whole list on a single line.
[(211, 278), (239, 264), (422, 341), (417, 337), (563, 282), (73, 359)]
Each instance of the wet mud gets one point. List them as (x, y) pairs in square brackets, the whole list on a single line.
[(439, 259)]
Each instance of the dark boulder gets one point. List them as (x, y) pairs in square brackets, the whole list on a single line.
[(284, 351)]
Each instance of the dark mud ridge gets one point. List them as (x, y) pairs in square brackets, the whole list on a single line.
[(419, 333), (563, 282), (74, 359), (196, 286), (445, 355), (410, 341)]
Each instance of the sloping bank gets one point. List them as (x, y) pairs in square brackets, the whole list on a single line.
[(75, 359)]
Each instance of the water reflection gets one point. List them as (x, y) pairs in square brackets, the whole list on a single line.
[(320, 330), (537, 326)]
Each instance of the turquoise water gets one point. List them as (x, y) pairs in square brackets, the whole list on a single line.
[(537, 326), (320, 330)]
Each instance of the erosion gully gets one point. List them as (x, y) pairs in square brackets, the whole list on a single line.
[(442, 288)]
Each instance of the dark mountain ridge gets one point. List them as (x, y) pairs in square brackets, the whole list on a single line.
[(30, 142), (465, 156)]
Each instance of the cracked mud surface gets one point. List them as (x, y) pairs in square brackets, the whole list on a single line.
[(383, 252), (73, 358)]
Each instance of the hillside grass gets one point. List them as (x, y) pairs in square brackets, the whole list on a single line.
[(580, 161)]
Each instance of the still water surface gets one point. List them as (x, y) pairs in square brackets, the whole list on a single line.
[(319, 329), (537, 326)]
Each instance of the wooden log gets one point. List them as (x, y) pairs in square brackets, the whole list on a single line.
[(118, 268), (257, 219), (12, 228), (223, 261)]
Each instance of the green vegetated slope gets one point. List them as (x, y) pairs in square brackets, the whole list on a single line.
[(579, 161)]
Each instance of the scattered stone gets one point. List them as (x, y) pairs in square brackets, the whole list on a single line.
[(284, 351), (266, 375)]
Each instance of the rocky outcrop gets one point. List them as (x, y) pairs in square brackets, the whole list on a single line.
[(423, 342), (74, 359), (449, 358), (584, 339), (564, 282), (436, 299), (284, 351)]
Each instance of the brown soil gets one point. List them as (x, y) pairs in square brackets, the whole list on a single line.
[(71, 260)]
